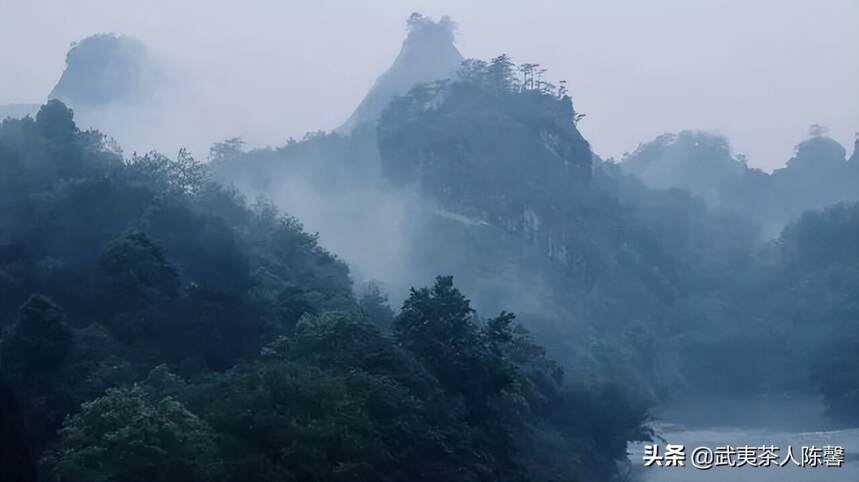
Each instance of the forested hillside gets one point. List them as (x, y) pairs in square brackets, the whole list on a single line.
[(457, 284), (646, 287), (155, 326), (262, 315), (502, 190)]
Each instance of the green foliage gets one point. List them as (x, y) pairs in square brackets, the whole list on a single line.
[(16, 459), (41, 341), (374, 304), (438, 326), (54, 367), (341, 400), (481, 134), (541, 221), (205, 338), (815, 274), (150, 250), (129, 435), (836, 374), (288, 421), (135, 267), (627, 283), (202, 338)]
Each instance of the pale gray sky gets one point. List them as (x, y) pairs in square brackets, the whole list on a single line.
[(760, 71)]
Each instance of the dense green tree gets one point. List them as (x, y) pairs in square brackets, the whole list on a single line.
[(439, 327), (16, 459), (129, 435), (41, 341), (374, 303)]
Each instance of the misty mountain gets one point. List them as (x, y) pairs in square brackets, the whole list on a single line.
[(485, 176), (106, 68), (697, 161), (105, 74), (625, 272), (817, 176), (110, 265), (341, 306), (118, 85), (428, 53)]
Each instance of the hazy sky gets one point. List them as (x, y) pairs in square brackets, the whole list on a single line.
[(760, 71)]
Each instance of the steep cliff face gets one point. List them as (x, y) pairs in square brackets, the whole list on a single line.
[(513, 177), (428, 53), (105, 68), (487, 147), (485, 176)]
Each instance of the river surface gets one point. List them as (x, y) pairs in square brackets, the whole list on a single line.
[(754, 424)]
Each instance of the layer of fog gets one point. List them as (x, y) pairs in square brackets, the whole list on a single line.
[(392, 237)]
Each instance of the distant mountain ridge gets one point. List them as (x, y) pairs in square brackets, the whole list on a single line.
[(818, 175), (428, 53)]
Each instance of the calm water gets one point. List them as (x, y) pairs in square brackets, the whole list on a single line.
[(800, 424)]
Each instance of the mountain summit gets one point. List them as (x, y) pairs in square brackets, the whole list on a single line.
[(101, 70), (428, 54), (105, 68)]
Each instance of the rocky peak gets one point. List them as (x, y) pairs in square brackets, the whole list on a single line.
[(428, 53), (105, 68)]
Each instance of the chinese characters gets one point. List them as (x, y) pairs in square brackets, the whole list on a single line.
[(706, 458)]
